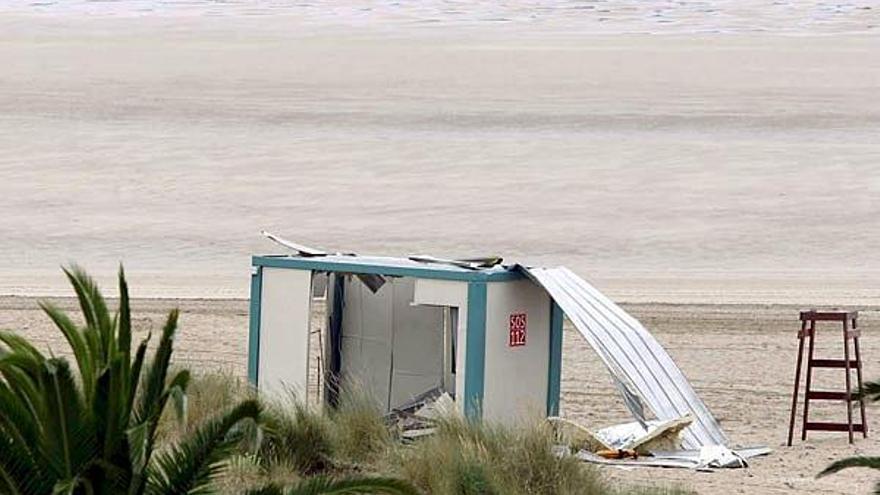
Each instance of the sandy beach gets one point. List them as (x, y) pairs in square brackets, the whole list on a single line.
[(715, 170), (740, 359), (722, 168)]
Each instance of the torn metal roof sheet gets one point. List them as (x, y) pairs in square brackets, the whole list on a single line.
[(632, 355)]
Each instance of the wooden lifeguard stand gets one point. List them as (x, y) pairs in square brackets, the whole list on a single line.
[(849, 321)]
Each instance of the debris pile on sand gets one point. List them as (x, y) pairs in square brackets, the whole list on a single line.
[(652, 444)]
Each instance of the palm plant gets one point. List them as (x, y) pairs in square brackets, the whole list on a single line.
[(348, 486), (94, 431), (870, 391)]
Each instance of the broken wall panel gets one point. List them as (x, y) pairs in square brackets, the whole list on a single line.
[(390, 348), (417, 348)]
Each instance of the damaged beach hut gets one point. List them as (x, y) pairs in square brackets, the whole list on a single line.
[(489, 335)]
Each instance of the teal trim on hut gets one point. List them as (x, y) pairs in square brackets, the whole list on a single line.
[(254, 325), (554, 376), (475, 350)]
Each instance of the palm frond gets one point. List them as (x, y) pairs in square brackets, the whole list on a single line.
[(68, 439), (270, 489), (109, 410), (19, 346), (76, 340), (94, 309), (176, 392), (323, 485), (138, 445), (124, 320), (22, 384), (871, 390), (20, 468), (150, 403), (16, 419), (73, 485), (190, 466), (18, 477), (851, 462), (134, 373)]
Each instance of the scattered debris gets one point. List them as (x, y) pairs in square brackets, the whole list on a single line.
[(300, 249), (577, 437), (373, 281), (658, 435), (619, 440), (705, 459), (418, 417), (478, 263), (658, 445), (442, 407)]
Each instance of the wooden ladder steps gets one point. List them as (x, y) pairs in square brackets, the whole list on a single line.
[(834, 427), (821, 395)]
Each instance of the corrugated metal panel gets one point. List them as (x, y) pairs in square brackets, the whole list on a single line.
[(631, 354)]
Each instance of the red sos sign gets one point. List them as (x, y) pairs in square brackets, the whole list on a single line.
[(517, 330)]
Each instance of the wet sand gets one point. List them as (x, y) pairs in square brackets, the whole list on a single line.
[(682, 167), (740, 359)]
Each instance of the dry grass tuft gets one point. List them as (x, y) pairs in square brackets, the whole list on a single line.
[(361, 435), (462, 458), (299, 437), (207, 394), (465, 458)]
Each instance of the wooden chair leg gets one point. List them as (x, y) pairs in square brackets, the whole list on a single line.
[(809, 380), (859, 378), (797, 380), (849, 411)]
